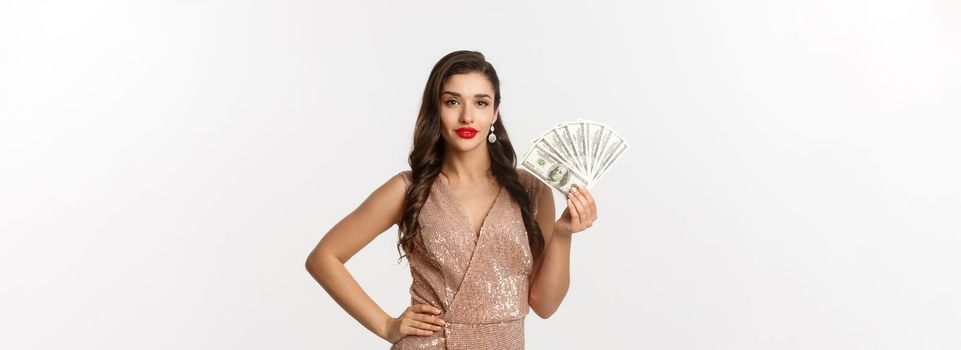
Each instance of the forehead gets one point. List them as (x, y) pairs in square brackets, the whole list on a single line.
[(468, 84)]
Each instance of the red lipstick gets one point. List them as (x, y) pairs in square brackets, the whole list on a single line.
[(466, 132)]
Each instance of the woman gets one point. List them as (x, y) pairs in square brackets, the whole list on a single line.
[(479, 234)]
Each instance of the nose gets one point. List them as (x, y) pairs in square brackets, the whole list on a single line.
[(466, 116)]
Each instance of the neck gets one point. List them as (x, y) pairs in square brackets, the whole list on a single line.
[(467, 166)]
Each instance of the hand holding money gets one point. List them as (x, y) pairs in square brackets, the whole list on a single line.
[(580, 213), (574, 153)]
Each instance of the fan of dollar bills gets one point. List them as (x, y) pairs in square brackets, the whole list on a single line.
[(574, 153)]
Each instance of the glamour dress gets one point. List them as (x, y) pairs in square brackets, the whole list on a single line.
[(480, 283)]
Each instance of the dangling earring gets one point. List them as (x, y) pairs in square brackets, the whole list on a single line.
[(492, 138)]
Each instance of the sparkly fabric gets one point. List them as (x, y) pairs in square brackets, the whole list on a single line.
[(480, 283)]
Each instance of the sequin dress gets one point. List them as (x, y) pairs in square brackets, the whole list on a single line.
[(480, 283)]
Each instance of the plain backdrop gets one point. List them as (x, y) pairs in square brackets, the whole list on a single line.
[(792, 182)]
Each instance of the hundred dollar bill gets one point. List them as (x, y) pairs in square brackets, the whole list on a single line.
[(572, 136), (552, 171), (595, 137), (606, 139), (560, 152), (555, 138), (610, 156), (566, 138), (580, 138)]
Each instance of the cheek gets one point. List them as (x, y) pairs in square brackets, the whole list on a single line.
[(487, 112), (448, 118)]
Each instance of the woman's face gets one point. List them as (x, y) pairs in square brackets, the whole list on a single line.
[(467, 111)]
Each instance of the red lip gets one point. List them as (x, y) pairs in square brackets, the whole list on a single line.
[(466, 132)]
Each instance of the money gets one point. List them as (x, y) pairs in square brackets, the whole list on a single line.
[(574, 153), (552, 170)]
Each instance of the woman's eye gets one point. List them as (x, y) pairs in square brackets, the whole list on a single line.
[(449, 102), (482, 103)]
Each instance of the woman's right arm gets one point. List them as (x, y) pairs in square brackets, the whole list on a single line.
[(381, 210)]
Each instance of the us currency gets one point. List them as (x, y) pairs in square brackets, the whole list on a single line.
[(603, 144), (564, 130), (560, 155), (555, 142), (614, 150), (596, 138), (572, 132), (552, 171), (581, 138)]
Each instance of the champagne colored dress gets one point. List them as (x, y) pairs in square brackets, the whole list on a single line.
[(480, 283)]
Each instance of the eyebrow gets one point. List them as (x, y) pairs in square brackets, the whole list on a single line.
[(458, 95)]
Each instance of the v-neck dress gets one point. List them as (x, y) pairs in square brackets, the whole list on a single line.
[(480, 283)]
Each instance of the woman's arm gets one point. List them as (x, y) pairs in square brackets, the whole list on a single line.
[(551, 273), (381, 210)]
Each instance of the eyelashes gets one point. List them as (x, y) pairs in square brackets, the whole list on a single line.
[(450, 101)]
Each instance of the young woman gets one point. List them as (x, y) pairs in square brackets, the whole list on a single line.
[(480, 235)]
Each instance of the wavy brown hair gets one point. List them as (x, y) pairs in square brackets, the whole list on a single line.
[(428, 148)]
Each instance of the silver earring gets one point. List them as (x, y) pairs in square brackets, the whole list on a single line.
[(492, 138)]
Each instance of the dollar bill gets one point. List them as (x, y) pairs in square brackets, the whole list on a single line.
[(551, 170), (561, 156), (578, 152), (610, 160), (565, 130), (595, 137), (616, 148)]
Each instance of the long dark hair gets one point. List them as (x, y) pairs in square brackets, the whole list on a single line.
[(428, 152)]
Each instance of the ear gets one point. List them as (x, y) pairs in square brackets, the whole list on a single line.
[(496, 114)]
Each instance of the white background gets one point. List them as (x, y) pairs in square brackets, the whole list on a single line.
[(166, 167)]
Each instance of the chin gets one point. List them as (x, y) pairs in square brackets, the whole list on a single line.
[(464, 145)]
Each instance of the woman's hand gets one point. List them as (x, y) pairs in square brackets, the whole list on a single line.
[(580, 213), (418, 319)]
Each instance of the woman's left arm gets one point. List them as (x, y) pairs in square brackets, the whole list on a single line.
[(550, 277)]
